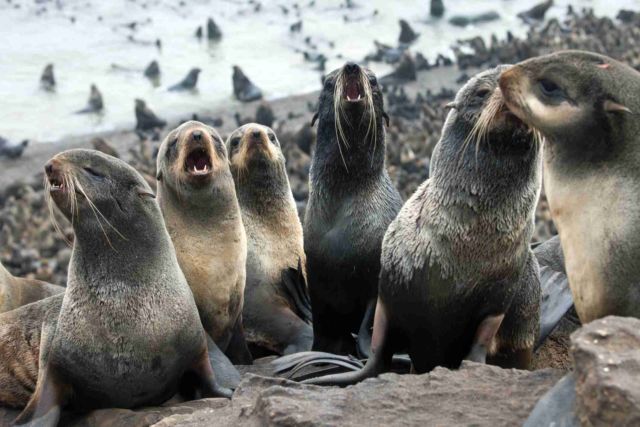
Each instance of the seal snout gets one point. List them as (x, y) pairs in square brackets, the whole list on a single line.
[(352, 86), (198, 161), (53, 169)]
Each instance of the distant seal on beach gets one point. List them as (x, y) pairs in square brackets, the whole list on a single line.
[(243, 88), (198, 199), (586, 106), (458, 279), (95, 103), (16, 291), (189, 82), (47, 79), (145, 118), (275, 314), (128, 332), (352, 201)]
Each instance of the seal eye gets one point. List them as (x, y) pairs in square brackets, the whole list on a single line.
[(92, 172), (373, 81), (235, 142), (272, 137), (549, 88), (482, 93)]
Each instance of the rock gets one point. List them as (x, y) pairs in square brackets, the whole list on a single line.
[(437, 8), (213, 31), (265, 115), (145, 118), (478, 395), (627, 16), (606, 354), (47, 80), (243, 88), (189, 82), (407, 35)]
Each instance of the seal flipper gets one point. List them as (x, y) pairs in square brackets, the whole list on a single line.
[(227, 375), (363, 340), (44, 407), (295, 286), (380, 360), (556, 294), (237, 349), (207, 383), (485, 334)]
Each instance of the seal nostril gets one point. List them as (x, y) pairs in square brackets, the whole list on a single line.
[(48, 168), (196, 135), (255, 134), (351, 67)]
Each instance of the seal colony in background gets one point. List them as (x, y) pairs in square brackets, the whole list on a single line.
[(448, 276)]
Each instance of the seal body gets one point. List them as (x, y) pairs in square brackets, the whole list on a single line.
[(128, 329), (16, 292), (275, 315), (351, 203), (458, 279), (586, 107), (198, 199)]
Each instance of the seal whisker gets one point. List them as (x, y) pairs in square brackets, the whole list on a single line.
[(52, 215)]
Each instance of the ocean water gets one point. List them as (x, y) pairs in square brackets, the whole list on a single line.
[(83, 38)]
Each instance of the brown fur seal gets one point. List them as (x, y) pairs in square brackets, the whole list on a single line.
[(128, 332), (16, 291), (198, 200), (275, 316), (586, 106), (458, 279), (352, 201)]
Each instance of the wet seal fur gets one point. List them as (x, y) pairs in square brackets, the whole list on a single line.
[(197, 196), (458, 279), (275, 316), (586, 106), (128, 332), (16, 291), (351, 203)]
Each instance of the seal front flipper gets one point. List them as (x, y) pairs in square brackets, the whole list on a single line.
[(485, 334), (556, 294), (295, 286), (206, 379), (237, 350), (363, 340), (44, 406), (227, 375)]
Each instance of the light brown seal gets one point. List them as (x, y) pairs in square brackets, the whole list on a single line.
[(16, 291), (198, 200), (586, 106), (275, 314)]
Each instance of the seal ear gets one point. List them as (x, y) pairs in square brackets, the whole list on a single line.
[(451, 105), (614, 107), (144, 193), (386, 118), (159, 176), (314, 118)]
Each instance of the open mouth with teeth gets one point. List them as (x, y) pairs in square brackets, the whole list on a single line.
[(56, 184), (353, 90), (198, 162)]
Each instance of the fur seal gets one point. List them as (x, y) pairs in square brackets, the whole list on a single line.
[(243, 88), (586, 106), (275, 315), (458, 278), (145, 118), (94, 104), (352, 201), (128, 332), (12, 151), (47, 79), (189, 82), (16, 291), (198, 199)]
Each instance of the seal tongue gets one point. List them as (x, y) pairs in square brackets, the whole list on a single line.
[(198, 162)]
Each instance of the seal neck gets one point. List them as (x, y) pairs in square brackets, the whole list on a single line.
[(264, 190)]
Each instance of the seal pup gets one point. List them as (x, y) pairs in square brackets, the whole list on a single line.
[(146, 119), (586, 106), (458, 278), (16, 291), (352, 201), (189, 82), (128, 331), (94, 104), (275, 316), (198, 199), (47, 79)]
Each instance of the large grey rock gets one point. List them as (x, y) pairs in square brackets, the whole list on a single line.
[(606, 354), (475, 394)]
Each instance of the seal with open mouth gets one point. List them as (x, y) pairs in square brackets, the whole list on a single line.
[(586, 106), (127, 332), (458, 279), (352, 201), (277, 313), (197, 196)]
